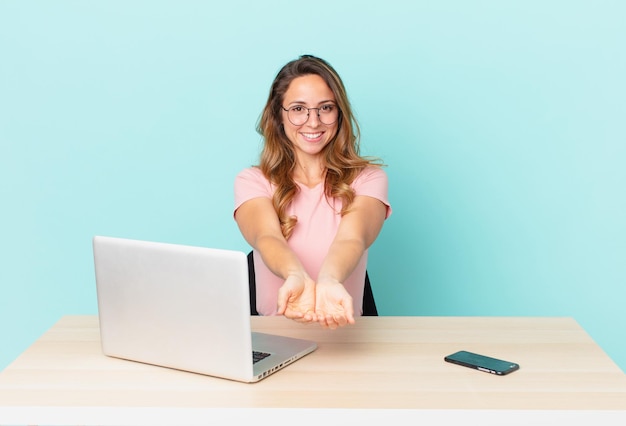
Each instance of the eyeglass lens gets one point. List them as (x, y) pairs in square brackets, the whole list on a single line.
[(327, 114)]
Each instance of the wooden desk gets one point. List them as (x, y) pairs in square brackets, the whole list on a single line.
[(382, 366)]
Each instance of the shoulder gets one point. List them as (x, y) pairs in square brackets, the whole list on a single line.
[(251, 176), (251, 173), (372, 182), (251, 183), (371, 175)]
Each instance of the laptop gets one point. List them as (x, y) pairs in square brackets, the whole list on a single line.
[(186, 308)]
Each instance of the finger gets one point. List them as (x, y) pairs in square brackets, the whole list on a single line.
[(310, 316), (330, 321), (321, 319), (340, 320), (281, 303), (293, 314), (349, 310), (281, 308)]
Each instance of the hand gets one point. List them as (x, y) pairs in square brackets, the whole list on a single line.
[(333, 305), (296, 299)]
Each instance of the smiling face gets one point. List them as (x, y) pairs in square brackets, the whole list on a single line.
[(310, 91)]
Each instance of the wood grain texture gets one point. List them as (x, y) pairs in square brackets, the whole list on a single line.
[(379, 363)]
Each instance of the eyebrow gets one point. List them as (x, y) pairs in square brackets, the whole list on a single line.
[(329, 101)]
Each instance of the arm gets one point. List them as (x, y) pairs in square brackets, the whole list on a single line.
[(259, 225), (358, 229)]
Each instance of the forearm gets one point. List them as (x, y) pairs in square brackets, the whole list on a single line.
[(279, 257), (357, 231), (342, 258)]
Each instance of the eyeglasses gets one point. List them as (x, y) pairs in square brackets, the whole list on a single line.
[(298, 114)]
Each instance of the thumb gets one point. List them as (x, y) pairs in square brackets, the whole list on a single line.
[(349, 310), (281, 303)]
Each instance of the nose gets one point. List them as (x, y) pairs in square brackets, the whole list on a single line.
[(313, 118)]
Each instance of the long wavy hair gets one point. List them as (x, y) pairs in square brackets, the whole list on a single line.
[(341, 159)]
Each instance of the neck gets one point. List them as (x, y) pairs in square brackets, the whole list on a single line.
[(309, 173)]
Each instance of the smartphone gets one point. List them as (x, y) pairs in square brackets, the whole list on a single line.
[(482, 363)]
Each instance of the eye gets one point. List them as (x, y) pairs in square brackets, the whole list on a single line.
[(327, 108), (297, 108)]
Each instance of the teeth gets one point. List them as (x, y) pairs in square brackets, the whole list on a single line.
[(312, 135)]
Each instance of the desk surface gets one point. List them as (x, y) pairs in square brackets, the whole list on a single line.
[(379, 363)]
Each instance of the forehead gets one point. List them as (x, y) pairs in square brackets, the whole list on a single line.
[(309, 89)]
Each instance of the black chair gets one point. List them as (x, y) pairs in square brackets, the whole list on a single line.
[(369, 305)]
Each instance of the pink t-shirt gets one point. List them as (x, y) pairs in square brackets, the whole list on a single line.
[(318, 221)]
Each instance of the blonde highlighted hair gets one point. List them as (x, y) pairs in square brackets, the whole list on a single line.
[(341, 158)]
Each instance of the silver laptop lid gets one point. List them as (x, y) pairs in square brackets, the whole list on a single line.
[(175, 306)]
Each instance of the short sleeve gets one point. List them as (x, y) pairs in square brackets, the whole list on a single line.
[(373, 182), (250, 183)]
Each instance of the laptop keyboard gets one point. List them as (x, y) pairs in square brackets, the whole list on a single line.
[(258, 356)]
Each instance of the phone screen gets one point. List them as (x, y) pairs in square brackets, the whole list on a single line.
[(482, 363)]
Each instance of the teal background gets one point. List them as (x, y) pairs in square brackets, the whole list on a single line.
[(502, 124)]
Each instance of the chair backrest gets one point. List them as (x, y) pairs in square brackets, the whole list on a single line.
[(369, 304)]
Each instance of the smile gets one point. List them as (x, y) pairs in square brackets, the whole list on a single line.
[(312, 136)]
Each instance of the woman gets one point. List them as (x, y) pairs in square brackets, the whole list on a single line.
[(313, 206)]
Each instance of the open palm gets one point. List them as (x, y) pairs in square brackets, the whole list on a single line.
[(296, 299), (334, 306)]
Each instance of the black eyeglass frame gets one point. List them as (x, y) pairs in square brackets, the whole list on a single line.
[(308, 113)]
